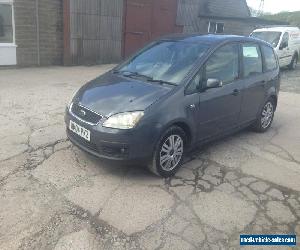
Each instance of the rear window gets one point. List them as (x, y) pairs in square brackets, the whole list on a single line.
[(252, 60), (270, 58)]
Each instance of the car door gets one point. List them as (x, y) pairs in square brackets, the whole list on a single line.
[(219, 107), (253, 80), (284, 53)]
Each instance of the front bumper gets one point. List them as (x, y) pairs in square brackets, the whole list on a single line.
[(115, 144)]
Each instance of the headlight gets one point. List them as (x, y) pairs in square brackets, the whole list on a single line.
[(126, 120)]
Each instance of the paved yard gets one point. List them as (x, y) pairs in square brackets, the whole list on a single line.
[(53, 196)]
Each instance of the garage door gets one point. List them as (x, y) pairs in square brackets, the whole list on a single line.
[(146, 20)]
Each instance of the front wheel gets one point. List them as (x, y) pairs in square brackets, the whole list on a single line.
[(266, 117), (169, 152), (293, 63)]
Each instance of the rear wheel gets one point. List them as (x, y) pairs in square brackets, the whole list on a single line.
[(169, 152), (294, 62), (266, 117)]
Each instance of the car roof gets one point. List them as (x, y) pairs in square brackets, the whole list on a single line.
[(278, 29), (211, 39)]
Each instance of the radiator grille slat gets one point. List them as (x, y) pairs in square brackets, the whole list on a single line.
[(85, 114)]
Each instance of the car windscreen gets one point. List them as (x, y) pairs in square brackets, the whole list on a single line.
[(168, 61), (271, 37)]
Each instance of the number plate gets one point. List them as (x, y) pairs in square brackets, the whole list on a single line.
[(82, 132)]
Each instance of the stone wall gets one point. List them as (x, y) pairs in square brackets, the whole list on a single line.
[(50, 20)]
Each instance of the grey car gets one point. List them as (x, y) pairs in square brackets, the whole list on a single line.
[(176, 93)]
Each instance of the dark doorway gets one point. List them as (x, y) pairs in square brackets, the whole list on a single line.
[(146, 20)]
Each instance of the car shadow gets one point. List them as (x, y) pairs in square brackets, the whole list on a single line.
[(139, 170)]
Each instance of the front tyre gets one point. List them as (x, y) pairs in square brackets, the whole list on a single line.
[(266, 117), (169, 152), (293, 63)]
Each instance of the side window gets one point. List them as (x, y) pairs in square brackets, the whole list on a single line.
[(212, 27), (252, 61), (270, 58), (6, 25), (215, 28), (223, 64), (220, 28), (285, 40)]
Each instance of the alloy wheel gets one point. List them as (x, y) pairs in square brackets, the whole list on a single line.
[(171, 152), (267, 115)]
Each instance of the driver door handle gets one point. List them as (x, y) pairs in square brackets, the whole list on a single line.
[(236, 92)]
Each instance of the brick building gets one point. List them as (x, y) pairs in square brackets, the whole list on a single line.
[(72, 32), (32, 32)]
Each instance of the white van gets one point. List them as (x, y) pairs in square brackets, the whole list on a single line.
[(285, 40)]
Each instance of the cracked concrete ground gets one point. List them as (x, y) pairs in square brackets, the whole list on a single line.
[(54, 196)]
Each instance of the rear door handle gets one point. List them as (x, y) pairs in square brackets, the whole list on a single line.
[(236, 92)]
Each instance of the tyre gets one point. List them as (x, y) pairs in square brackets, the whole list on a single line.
[(169, 152), (294, 62), (266, 117)]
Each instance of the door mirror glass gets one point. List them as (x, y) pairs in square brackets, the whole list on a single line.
[(212, 83)]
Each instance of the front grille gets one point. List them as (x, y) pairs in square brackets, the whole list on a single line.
[(85, 114)]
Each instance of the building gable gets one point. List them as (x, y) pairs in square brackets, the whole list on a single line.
[(224, 8)]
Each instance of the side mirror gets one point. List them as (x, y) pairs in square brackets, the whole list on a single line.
[(212, 83)]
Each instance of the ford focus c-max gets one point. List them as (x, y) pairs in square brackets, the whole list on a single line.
[(175, 93)]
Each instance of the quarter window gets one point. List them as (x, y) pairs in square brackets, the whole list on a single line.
[(224, 64), (6, 24), (194, 84), (270, 58), (252, 61)]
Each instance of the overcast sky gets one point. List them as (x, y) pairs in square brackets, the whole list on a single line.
[(275, 6)]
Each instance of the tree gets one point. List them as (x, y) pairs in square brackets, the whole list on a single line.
[(293, 18)]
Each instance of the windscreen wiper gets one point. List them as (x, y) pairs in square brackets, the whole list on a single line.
[(133, 74), (162, 82), (149, 78)]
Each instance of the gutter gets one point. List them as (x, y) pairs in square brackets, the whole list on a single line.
[(254, 20)]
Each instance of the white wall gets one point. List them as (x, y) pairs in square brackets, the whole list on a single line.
[(8, 54)]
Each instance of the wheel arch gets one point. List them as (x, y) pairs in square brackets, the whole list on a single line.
[(187, 130), (275, 99)]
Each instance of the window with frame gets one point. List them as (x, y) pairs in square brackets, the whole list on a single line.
[(285, 40), (252, 60), (223, 64), (270, 58), (6, 23), (215, 28)]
